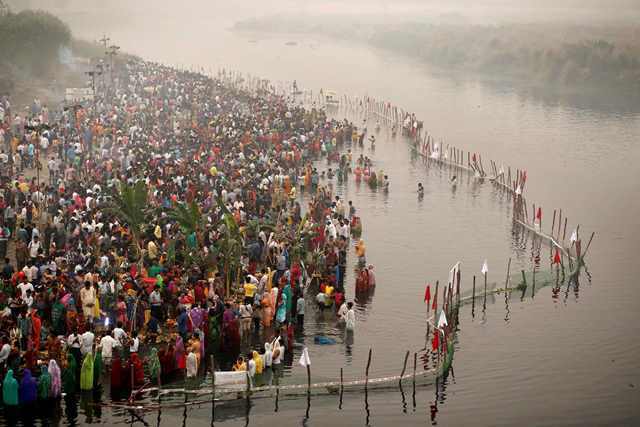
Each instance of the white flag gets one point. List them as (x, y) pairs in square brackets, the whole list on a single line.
[(304, 358), (485, 267), (574, 236), (442, 321), (453, 274), (518, 190)]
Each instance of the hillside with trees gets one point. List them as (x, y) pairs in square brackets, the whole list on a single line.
[(562, 56), (37, 55)]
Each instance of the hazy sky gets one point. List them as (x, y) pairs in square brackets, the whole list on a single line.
[(488, 9)]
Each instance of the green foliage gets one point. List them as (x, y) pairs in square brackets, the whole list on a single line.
[(130, 205), (230, 243), (188, 217), (536, 53), (554, 53), (30, 40)]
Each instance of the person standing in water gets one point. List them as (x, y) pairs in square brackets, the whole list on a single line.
[(350, 318)]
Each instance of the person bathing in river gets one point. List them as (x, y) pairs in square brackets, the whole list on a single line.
[(361, 253), (420, 189), (385, 183), (350, 318), (371, 275)]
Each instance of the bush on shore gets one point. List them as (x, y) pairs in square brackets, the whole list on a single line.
[(30, 42)]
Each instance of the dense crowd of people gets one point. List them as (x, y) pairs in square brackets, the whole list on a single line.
[(174, 218)]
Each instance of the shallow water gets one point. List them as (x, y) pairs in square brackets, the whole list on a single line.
[(570, 359)]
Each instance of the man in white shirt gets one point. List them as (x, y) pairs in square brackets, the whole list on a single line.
[(87, 342), (135, 342), (74, 341), (5, 351), (88, 299), (28, 300), (24, 287), (34, 247), (342, 312), (331, 229), (119, 334), (107, 343)]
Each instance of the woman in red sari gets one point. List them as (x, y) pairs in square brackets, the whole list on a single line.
[(167, 361), (117, 377), (138, 370), (36, 324)]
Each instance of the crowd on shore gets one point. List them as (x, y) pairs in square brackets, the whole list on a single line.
[(161, 224)]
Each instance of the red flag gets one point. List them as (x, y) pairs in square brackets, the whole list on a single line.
[(524, 176), (556, 258), (539, 214), (427, 294), (436, 341)]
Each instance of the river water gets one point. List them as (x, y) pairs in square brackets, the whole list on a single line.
[(570, 359)]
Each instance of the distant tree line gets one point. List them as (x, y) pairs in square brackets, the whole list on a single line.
[(30, 42), (522, 51), (562, 55)]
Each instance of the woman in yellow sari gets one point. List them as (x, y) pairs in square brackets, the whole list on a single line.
[(307, 178), (267, 302)]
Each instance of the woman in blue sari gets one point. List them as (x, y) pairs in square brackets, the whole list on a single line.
[(28, 388)]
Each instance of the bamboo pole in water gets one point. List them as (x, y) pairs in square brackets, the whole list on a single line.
[(473, 298), (415, 363), (435, 298), (133, 379), (506, 283), (559, 225), (484, 302), (366, 375), (404, 367), (533, 289), (213, 388), (588, 244)]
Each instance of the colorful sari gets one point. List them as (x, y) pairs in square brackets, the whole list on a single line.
[(97, 369), (69, 380), (28, 388), (10, 389), (138, 369), (44, 385), (155, 369), (86, 373), (116, 371), (181, 361), (56, 381), (213, 337)]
